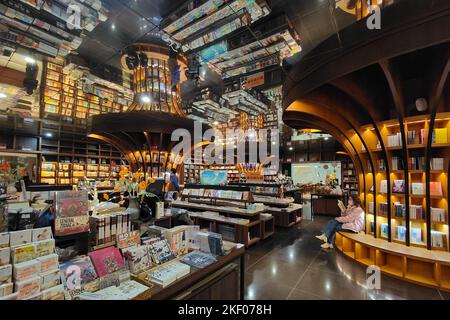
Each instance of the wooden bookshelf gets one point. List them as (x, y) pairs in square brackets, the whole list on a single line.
[(415, 151)]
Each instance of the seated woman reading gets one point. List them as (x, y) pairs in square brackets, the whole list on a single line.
[(352, 219)]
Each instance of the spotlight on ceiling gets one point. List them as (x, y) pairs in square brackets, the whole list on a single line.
[(29, 60), (291, 148), (146, 99), (215, 123), (3, 96), (49, 134)]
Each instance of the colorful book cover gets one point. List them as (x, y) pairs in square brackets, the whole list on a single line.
[(77, 273), (137, 258), (436, 188), (383, 186), (416, 235), (23, 253), (107, 260), (398, 186), (160, 252), (417, 188), (72, 212), (384, 230)]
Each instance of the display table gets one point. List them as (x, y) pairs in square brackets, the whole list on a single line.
[(221, 209), (286, 217), (418, 265), (325, 204), (222, 280)]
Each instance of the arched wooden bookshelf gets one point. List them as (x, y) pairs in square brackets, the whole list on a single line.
[(367, 98)]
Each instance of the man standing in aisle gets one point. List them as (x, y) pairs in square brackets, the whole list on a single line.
[(174, 186)]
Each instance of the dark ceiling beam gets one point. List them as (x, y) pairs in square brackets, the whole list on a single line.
[(407, 26), (393, 78), (440, 76)]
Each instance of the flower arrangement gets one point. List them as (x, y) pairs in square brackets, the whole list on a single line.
[(10, 175)]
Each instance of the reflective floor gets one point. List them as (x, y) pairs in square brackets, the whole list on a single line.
[(291, 265)]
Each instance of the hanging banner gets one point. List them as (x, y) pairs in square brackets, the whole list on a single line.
[(255, 80)]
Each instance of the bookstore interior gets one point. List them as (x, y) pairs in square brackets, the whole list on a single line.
[(202, 149)]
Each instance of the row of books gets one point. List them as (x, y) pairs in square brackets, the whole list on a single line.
[(417, 188), (438, 215), (415, 234), (399, 210), (416, 163), (212, 193), (104, 228), (438, 239), (440, 135), (416, 137)]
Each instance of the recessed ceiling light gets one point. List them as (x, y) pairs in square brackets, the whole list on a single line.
[(113, 26), (30, 60), (215, 123), (3, 96), (290, 148), (49, 134), (146, 99)]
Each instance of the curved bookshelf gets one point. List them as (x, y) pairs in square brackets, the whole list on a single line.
[(425, 223)]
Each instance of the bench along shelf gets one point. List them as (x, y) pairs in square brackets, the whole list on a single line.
[(413, 264)]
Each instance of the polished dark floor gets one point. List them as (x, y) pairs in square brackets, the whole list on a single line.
[(291, 265)]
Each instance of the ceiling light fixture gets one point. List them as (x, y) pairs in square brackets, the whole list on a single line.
[(215, 123), (146, 99), (113, 26), (3, 96), (29, 60), (49, 134), (290, 148)]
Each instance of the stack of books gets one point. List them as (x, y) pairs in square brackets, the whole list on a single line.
[(438, 215), (399, 210), (416, 212), (394, 140), (416, 163), (438, 239), (382, 208)]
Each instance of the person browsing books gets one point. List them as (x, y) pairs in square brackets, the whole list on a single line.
[(351, 219)]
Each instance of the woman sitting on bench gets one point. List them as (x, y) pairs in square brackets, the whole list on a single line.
[(352, 219)]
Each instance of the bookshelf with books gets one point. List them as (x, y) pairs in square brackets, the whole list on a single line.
[(67, 97), (350, 181), (426, 218)]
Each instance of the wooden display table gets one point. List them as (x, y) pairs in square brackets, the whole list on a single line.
[(220, 209), (222, 280), (231, 229), (286, 217), (418, 265)]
